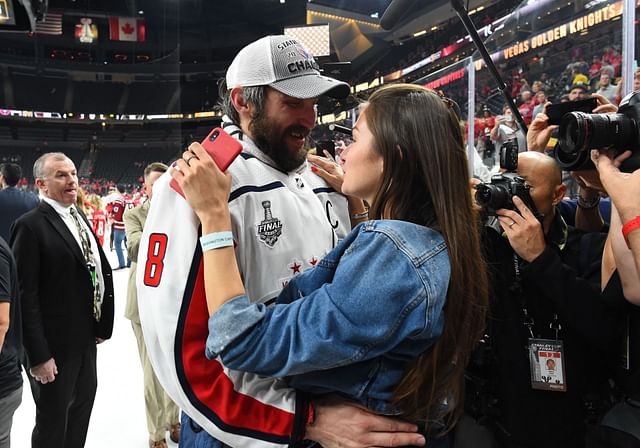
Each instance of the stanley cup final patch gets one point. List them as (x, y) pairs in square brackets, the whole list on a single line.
[(270, 228)]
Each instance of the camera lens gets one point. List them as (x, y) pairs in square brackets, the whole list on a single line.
[(214, 135), (579, 132), (492, 196)]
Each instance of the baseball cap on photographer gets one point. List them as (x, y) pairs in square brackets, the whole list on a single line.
[(284, 64)]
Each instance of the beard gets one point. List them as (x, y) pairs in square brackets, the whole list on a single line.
[(272, 142)]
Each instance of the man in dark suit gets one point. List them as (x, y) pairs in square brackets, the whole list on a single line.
[(67, 304), (13, 202)]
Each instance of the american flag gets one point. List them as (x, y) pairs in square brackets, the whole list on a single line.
[(50, 24)]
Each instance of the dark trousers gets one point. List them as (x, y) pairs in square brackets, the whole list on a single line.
[(63, 407)]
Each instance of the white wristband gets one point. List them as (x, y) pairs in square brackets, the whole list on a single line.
[(216, 240)]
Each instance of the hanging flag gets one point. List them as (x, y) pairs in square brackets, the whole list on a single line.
[(50, 24), (126, 28)]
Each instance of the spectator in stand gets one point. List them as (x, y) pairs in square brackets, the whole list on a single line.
[(541, 99), (607, 89), (526, 106), (487, 120), (516, 84), (615, 60), (13, 202), (596, 65), (579, 91), (118, 208), (536, 87), (506, 128)]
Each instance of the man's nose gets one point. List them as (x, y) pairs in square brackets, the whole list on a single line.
[(308, 115)]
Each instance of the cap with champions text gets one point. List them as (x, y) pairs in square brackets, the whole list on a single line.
[(283, 63)]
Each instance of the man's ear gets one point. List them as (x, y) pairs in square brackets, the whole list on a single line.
[(39, 183), (558, 194), (237, 99)]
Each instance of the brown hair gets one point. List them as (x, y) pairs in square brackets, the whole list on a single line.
[(154, 167), (426, 181)]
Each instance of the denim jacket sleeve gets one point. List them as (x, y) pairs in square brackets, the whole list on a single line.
[(376, 299)]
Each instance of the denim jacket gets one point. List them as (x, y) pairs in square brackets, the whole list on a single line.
[(351, 324)]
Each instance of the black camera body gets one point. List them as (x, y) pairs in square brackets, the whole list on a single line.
[(509, 155), (580, 132), (497, 194)]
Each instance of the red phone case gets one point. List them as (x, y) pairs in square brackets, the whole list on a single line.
[(222, 148)]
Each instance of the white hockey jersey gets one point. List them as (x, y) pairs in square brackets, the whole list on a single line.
[(283, 223)]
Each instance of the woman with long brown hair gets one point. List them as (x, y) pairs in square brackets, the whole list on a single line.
[(389, 317)]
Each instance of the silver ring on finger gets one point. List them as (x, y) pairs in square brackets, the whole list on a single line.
[(189, 159)]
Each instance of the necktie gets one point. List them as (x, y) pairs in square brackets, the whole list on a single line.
[(88, 258)]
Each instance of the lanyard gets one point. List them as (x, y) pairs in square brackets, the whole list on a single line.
[(527, 319)]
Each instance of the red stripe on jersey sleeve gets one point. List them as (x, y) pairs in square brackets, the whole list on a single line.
[(212, 387)]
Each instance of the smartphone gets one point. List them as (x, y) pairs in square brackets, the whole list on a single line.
[(326, 145), (555, 112), (222, 148)]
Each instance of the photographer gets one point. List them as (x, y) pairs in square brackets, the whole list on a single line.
[(586, 211), (545, 279)]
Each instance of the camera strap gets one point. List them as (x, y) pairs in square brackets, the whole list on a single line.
[(546, 356)]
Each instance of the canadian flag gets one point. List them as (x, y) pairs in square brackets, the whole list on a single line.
[(126, 28)]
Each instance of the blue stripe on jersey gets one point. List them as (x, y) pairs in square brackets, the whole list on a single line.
[(247, 156), (254, 188), (324, 190)]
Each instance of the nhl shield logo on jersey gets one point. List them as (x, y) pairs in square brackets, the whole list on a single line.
[(270, 228)]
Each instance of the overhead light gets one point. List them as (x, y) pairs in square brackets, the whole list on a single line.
[(141, 12), (282, 2), (419, 33)]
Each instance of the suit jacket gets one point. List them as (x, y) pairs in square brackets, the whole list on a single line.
[(134, 220), (56, 287), (14, 203)]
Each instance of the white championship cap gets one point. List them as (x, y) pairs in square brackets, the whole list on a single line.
[(283, 63)]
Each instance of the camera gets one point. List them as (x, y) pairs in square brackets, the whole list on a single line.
[(509, 155), (497, 194), (580, 132)]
